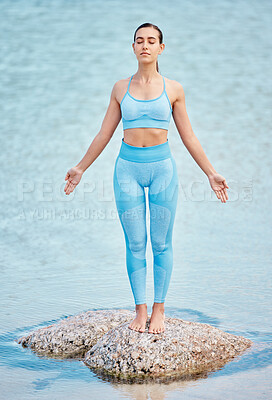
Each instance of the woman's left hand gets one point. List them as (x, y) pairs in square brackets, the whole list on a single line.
[(219, 186)]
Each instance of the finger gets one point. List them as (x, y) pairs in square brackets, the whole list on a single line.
[(225, 184), (220, 196), (223, 196), (70, 181), (226, 194), (68, 191), (66, 186), (71, 187)]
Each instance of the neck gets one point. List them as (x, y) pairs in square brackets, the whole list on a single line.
[(147, 73)]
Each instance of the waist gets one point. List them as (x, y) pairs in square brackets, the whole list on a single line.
[(145, 154)]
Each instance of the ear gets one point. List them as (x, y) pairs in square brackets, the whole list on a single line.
[(133, 47), (162, 47)]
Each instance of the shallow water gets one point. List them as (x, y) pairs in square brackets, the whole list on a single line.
[(62, 255)]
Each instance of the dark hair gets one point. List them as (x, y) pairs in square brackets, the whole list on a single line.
[(149, 25)]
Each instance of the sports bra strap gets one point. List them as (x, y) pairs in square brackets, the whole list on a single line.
[(129, 83)]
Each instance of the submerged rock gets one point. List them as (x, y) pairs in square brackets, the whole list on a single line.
[(106, 344)]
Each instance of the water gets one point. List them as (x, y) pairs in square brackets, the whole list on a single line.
[(62, 255)]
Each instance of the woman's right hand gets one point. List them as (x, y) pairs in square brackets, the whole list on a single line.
[(73, 176)]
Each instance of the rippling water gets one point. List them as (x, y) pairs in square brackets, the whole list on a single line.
[(61, 255)]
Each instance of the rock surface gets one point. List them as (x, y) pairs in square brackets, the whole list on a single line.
[(75, 335), (185, 350)]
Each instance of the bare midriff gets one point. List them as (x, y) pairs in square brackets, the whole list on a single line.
[(144, 137)]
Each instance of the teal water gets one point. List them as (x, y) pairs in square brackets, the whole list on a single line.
[(62, 255)]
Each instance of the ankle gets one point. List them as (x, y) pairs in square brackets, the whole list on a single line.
[(158, 307), (141, 307)]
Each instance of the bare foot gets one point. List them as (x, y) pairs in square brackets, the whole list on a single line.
[(157, 319), (138, 324)]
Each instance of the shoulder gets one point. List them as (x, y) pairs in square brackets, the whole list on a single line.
[(175, 86), (175, 90), (121, 83), (120, 88)]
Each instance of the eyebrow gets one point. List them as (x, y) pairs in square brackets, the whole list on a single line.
[(150, 37)]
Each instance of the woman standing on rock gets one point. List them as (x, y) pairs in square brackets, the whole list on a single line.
[(145, 102)]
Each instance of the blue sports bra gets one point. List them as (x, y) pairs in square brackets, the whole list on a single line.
[(154, 113)]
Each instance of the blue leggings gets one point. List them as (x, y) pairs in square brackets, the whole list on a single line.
[(136, 168)]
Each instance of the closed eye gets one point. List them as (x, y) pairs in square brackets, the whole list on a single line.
[(149, 42)]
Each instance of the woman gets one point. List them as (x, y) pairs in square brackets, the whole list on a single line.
[(145, 102)]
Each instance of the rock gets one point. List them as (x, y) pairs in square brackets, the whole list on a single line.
[(185, 350), (107, 346), (75, 335)]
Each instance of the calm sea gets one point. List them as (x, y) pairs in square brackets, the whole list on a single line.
[(62, 255)]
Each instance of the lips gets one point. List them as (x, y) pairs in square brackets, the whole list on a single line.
[(146, 54)]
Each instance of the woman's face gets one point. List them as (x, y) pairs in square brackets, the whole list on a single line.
[(147, 46)]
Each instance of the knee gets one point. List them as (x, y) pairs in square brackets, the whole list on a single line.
[(159, 246), (138, 246)]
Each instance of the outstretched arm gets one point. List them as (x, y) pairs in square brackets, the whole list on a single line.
[(109, 124), (191, 142)]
